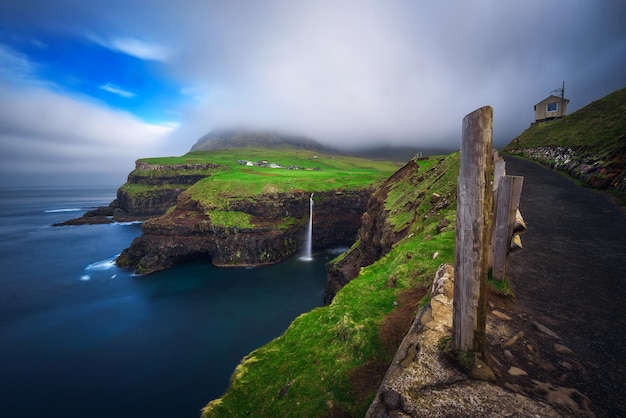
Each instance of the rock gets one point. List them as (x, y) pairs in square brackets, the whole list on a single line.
[(561, 349), (571, 400), (514, 339), (546, 330), (481, 371), (516, 371), (500, 315)]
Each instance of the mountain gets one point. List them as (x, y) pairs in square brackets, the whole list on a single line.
[(239, 138), (242, 138)]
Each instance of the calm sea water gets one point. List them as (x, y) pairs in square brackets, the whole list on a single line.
[(81, 338)]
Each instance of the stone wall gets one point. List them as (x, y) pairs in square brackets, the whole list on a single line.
[(597, 171)]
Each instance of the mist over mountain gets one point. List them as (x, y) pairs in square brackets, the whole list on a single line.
[(226, 138), (248, 138)]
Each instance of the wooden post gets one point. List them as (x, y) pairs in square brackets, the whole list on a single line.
[(505, 214), (499, 171), (474, 197)]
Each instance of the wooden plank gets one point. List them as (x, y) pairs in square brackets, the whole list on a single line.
[(474, 196), (505, 214), (499, 170)]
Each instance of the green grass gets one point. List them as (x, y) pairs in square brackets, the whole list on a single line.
[(237, 181), (231, 219), (136, 189), (306, 371), (231, 180), (600, 126), (404, 194)]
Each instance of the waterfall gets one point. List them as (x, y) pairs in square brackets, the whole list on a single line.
[(308, 244)]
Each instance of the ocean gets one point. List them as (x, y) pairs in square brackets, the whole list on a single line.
[(80, 337)]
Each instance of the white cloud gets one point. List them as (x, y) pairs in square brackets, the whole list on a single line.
[(139, 49), (112, 88), (44, 132), (348, 72)]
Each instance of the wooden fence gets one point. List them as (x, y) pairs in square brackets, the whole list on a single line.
[(487, 222)]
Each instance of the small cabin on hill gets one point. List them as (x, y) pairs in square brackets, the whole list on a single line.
[(550, 108)]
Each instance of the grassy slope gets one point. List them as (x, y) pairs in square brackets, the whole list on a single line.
[(235, 181), (306, 371), (599, 127)]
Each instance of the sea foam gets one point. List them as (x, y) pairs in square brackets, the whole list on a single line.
[(103, 264), (63, 210)]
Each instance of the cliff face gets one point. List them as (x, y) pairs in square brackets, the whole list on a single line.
[(406, 193), (275, 229), (152, 189)]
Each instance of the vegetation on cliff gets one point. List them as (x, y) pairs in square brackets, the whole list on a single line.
[(589, 144), (310, 172), (330, 361), (251, 206)]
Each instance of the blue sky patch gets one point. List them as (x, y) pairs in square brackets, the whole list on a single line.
[(119, 80)]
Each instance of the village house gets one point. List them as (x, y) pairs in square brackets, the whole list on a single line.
[(550, 108)]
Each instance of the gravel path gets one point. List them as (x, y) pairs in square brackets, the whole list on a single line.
[(572, 275)]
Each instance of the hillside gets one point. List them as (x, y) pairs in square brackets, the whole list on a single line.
[(251, 205), (331, 360), (589, 144)]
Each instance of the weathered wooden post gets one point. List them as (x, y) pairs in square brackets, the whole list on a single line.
[(505, 215), (499, 171), (474, 197)]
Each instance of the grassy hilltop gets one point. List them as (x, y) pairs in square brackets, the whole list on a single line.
[(589, 144), (311, 171)]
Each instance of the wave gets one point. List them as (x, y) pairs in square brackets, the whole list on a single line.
[(63, 210), (85, 277), (128, 223), (106, 264)]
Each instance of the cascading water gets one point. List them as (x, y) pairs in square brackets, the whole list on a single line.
[(308, 244)]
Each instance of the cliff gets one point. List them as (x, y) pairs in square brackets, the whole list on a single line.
[(405, 199), (331, 360), (250, 207), (151, 189), (263, 230)]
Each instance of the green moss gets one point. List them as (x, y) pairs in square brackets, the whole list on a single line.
[(288, 222), (501, 287), (230, 219)]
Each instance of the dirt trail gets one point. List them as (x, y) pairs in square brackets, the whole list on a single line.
[(571, 277)]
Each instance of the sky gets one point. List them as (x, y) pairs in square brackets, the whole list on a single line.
[(89, 86)]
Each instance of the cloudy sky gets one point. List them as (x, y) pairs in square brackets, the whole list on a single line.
[(89, 86)]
